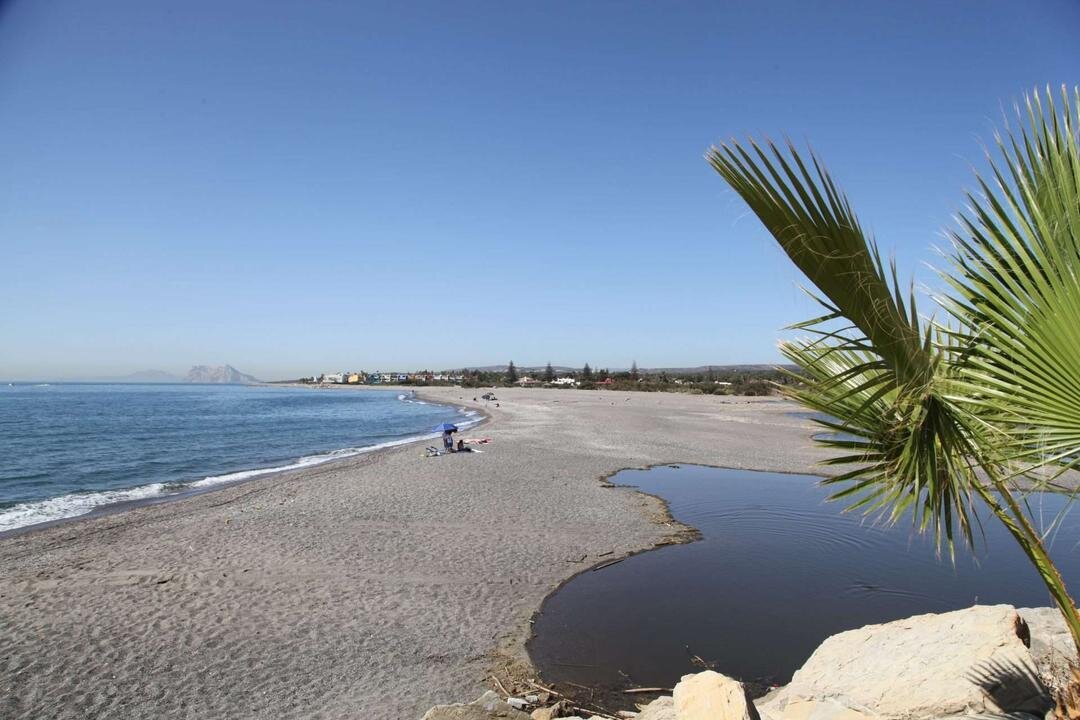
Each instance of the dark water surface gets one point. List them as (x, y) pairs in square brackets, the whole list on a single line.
[(778, 571)]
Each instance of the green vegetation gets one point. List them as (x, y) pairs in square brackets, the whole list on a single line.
[(959, 414), (736, 380), (750, 381), (754, 380)]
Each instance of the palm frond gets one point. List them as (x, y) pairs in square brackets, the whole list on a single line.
[(906, 447), (1016, 285), (936, 419), (814, 224)]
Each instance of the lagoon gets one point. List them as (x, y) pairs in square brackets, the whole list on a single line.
[(778, 569)]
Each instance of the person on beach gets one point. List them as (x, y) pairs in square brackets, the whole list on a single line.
[(448, 441)]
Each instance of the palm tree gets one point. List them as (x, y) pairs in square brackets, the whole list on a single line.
[(943, 417)]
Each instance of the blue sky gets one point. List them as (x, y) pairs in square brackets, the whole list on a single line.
[(299, 187)]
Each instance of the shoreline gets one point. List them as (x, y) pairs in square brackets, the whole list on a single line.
[(192, 488), (435, 565)]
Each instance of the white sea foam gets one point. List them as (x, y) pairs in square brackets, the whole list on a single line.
[(73, 505), (65, 506)]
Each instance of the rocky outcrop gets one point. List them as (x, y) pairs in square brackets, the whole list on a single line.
[(1052, 646), (662, 708), (221, 374), (561, 709), (711, 696), (968, 661)]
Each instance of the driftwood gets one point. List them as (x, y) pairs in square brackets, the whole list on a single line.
[(555, 693), (501, 687), (540, 687), (609, 563), (630, 691)]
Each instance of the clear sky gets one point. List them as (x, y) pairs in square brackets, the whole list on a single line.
[(306, 186)]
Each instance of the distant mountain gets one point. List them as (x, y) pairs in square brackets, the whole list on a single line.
[(520, 368), (140, 377), (702, 369), (148, 376), (221, 374)]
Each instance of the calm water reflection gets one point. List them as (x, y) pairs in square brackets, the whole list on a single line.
[(777, 572)]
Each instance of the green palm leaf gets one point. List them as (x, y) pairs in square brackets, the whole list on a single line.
[(938, 419), (879, 376), (1017, 288)]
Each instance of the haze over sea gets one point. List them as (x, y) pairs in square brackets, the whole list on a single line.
[(70, 448)]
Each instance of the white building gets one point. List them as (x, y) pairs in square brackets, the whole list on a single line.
[(565, 382)]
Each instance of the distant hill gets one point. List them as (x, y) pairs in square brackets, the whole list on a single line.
[(702, 369), (520, 368), (220, 374), (140, 377), (148, 376)]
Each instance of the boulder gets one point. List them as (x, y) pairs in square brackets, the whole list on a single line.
[(968, 661), (662, 708), (1052, 645), (557, 710), (813, 710), (711, 696), (488, 706)]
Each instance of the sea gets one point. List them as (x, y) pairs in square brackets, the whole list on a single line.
[(69, 449)]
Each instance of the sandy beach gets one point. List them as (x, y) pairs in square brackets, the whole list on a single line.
[(373, 587)]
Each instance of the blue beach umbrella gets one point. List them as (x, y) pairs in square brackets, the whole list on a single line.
[(445, 428)]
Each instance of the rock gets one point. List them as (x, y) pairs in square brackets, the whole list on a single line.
[(488, 706), (1051, 644), (548, 713), (662, 708), (967, 661), (711, 696), (816, 710), (221, 374)]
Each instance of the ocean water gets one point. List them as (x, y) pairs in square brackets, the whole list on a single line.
[(66, 449)]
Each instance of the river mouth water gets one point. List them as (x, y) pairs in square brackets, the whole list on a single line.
[(776, 571)]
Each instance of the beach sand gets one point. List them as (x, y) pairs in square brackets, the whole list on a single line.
[(373, 587)]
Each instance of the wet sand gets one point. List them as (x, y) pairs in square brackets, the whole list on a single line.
[(372, 587)]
